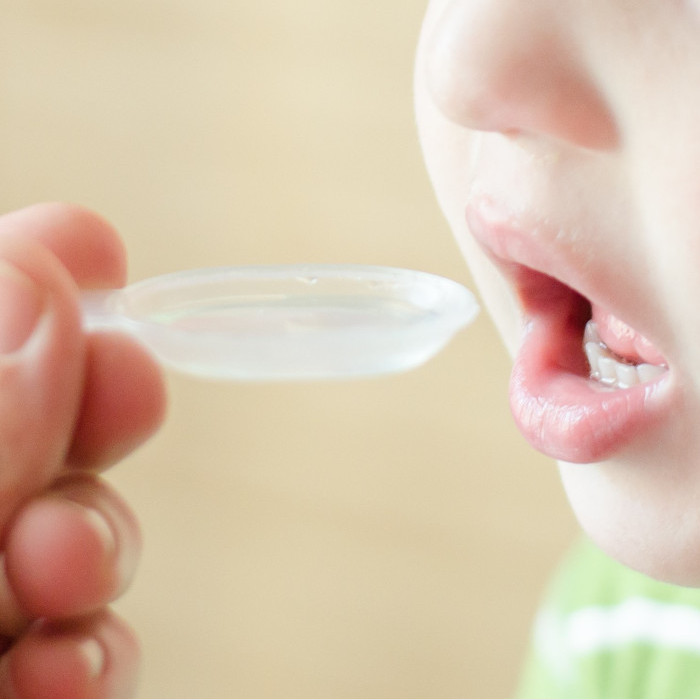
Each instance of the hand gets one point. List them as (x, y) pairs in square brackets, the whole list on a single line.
[(70, 405)]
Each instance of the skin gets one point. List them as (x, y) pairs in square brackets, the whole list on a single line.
[(583, 114), (71, 405)]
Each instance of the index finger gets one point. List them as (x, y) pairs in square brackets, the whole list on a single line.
[(85, 244)]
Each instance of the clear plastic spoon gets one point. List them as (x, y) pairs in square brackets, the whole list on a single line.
[(285, 322)]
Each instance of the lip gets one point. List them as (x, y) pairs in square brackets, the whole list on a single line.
[(556, 406)]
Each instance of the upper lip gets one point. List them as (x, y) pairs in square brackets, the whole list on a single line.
[(542, 265), (512, 245)]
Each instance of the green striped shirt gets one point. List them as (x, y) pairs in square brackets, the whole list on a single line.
[(605, 631)]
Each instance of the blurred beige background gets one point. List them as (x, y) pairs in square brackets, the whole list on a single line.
[(376, 538)]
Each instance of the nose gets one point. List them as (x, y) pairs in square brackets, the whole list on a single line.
[(513, 66)]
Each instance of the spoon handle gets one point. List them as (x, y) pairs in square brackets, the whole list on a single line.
[(97, 310)]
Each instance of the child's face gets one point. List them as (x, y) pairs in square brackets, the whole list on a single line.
[(563, 141)]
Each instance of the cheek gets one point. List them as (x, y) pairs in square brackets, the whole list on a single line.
[(670, 226), (446, 147), (449, 153), (497, 296)]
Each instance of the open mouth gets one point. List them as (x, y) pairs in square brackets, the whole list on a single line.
[(584, 384), (616, 355)]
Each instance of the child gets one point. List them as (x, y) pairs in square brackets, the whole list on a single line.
[(563, 141), (70, 405)]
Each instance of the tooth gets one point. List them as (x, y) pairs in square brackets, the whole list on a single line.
[(606, 365), (594, 352), (590, 333), (626, 375), (648, 372), (608, 369)]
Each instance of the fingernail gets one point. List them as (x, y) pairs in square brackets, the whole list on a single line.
[(21, 305), (102, 529), (121, 555)]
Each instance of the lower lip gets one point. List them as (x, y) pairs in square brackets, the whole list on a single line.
[(567, 415)]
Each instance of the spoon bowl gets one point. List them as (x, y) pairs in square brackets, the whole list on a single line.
[(287, 322)]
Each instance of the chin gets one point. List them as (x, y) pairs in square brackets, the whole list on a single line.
[(639, 522)]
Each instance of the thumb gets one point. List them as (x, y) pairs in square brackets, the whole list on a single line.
[(41, 366)]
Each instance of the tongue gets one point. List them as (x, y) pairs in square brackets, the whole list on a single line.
[(625, 341)]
